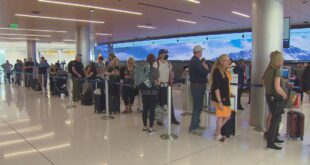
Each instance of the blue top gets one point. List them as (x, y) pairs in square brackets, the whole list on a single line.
[(197, 72), (18, 68), (43, 66)]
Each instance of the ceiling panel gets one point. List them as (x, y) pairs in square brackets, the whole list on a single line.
[(161, 14)]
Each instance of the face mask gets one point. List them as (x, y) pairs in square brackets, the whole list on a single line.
[(166, 57)]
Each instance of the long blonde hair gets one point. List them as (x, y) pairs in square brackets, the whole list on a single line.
[(217, 65), (276, 59), (131, 59)]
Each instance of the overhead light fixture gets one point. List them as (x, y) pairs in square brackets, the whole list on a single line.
[(68, 40), (194, 1), (240, 14), (103, 34), (186, 21), (27, 35), (92, 7), (33, 39), (34, 30), (146, 27), (58, 18)]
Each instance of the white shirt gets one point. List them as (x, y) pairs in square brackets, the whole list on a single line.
[(164, 70)]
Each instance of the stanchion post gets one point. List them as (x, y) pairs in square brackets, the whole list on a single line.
[(43, 86), (23, 79), (186, 112), (169, 135), (70, 105), (107, 116)]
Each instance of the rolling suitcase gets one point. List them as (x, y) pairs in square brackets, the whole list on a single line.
[(229, 128), (295, 125)]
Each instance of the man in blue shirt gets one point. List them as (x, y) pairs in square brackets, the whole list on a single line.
[(43, 68), (7, 67), (18, 69), (198, 72)]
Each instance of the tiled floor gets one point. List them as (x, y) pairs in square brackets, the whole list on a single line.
[(38, 131)]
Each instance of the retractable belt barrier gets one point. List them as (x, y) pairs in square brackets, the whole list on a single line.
[(168, 135)]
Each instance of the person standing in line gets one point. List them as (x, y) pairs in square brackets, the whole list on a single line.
[(113, 71), (111, 57), (240, 70), (78, 74), (297, 72), (18, 69), (198, 72), (58, 66), (149, 93), (53, 74), (305, 80), (129, 91), (220, 93), (43, 70), (7, 67), (275, 95), (165, 79), (101, 68), (91, 74), (28, 72)]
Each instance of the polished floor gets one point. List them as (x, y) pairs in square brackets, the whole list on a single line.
[(36, 130)]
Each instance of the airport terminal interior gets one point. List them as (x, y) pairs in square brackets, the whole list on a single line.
[(74, 82)]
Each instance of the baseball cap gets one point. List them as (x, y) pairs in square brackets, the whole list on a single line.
[(197, 48), (162, 51)]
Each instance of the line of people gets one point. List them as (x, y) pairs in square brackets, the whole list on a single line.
[(150, 79), (125, 76)]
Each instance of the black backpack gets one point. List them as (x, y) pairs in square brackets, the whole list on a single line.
[(87, 98), (70, 66)]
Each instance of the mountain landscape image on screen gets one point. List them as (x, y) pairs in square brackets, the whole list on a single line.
[(236, 45)]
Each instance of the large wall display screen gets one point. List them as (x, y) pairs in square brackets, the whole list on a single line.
[(101, 49), (236, 45)]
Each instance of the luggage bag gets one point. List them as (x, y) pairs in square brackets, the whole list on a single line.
[(295, 125), (229, 128)]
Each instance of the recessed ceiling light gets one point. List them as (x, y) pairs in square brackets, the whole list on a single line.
[(34, 39), (186, 21), (240, 14), (57, 18), (194, 1), (68, 40), (103, 34), (146, 27), (92, 7), (28, 35), (35, 30)]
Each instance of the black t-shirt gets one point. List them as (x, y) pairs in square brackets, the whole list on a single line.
[(79, 67), (27, 64), (221, 83)]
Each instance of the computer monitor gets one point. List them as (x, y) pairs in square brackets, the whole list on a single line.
[(285, 73)]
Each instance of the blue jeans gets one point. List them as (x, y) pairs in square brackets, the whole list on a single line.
[(198, 96)]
